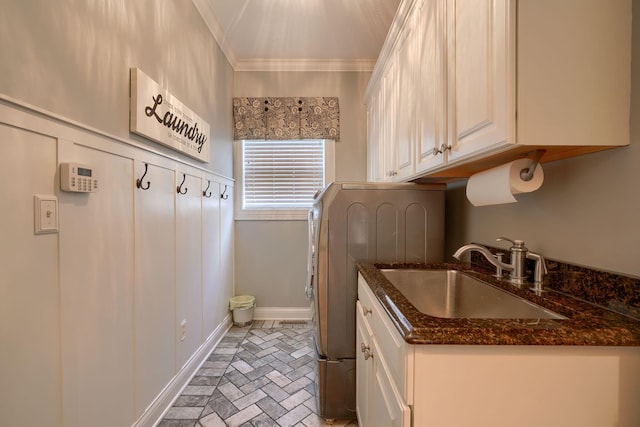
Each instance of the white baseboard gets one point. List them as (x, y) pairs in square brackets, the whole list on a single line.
[(171, 392), (282, 313)]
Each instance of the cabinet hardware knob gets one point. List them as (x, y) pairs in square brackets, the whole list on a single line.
[(366, 350), (441, 150), (366, 310)]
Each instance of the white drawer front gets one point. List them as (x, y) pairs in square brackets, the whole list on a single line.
[(392, 347)]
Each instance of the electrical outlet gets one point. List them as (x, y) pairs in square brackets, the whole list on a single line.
[(183, 329)]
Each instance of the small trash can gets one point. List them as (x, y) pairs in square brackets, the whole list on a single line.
[(242, 308)]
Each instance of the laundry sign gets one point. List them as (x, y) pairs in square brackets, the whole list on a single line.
[(158, 115)]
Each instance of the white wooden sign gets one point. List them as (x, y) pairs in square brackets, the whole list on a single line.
[(157, 115)]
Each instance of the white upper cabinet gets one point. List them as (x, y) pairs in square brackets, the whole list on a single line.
[(405, 128), (431, 85), (481, 76), (483, 82), (388, 116)]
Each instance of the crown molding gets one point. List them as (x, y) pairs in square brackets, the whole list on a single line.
[(209, 18), (206, 12)]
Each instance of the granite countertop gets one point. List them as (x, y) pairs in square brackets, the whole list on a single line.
[(586, 323)]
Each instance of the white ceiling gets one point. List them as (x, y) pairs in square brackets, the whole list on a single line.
[(324, 35)]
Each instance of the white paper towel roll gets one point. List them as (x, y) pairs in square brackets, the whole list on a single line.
[(498, 185)]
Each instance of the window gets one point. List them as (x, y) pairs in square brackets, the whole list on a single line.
[(278, 179)]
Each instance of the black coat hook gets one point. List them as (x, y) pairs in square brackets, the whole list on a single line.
[(179, 189), (204, 193), (224, 195), (139, 180)]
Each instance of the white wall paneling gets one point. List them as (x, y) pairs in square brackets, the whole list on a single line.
[(212, 315), (96, 299), (155, 272), (29, 286), (100, 316), (227, 248), (68, 80), (188, 266)]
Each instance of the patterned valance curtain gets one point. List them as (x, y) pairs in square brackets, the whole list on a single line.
[(286, 118)]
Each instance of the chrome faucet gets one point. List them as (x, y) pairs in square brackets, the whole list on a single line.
[(517, 268)]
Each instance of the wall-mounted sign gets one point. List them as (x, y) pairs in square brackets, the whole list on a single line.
[(157, 115)]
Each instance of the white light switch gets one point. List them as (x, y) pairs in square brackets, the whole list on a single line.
[(45, 214)]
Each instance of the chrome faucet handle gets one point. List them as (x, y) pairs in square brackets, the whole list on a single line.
[(505, 239), (515, 242)]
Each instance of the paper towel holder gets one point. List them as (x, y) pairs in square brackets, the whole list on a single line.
[(527, 174)]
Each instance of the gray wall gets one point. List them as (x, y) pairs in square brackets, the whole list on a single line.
[(73, 57), (587, 211), (271, 255)]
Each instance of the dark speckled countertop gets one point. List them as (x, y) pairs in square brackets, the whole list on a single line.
[(586, 324)]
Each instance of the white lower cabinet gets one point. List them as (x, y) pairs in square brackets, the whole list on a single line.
[(364, 367), (399, 384), (380, 398)]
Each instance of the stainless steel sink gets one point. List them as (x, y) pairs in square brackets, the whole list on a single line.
[(453, 294)]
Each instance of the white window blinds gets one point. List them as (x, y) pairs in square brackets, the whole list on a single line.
[(282, 174)]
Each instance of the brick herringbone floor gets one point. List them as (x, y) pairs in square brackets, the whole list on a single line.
[(258, 376)]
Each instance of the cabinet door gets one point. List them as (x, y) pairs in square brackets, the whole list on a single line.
[(378, 402), (375, 166), (388, 120), (431, 101), (386, 407), (481, 76), (188, 266), (405, 105), (155, 272), (364, 367)]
